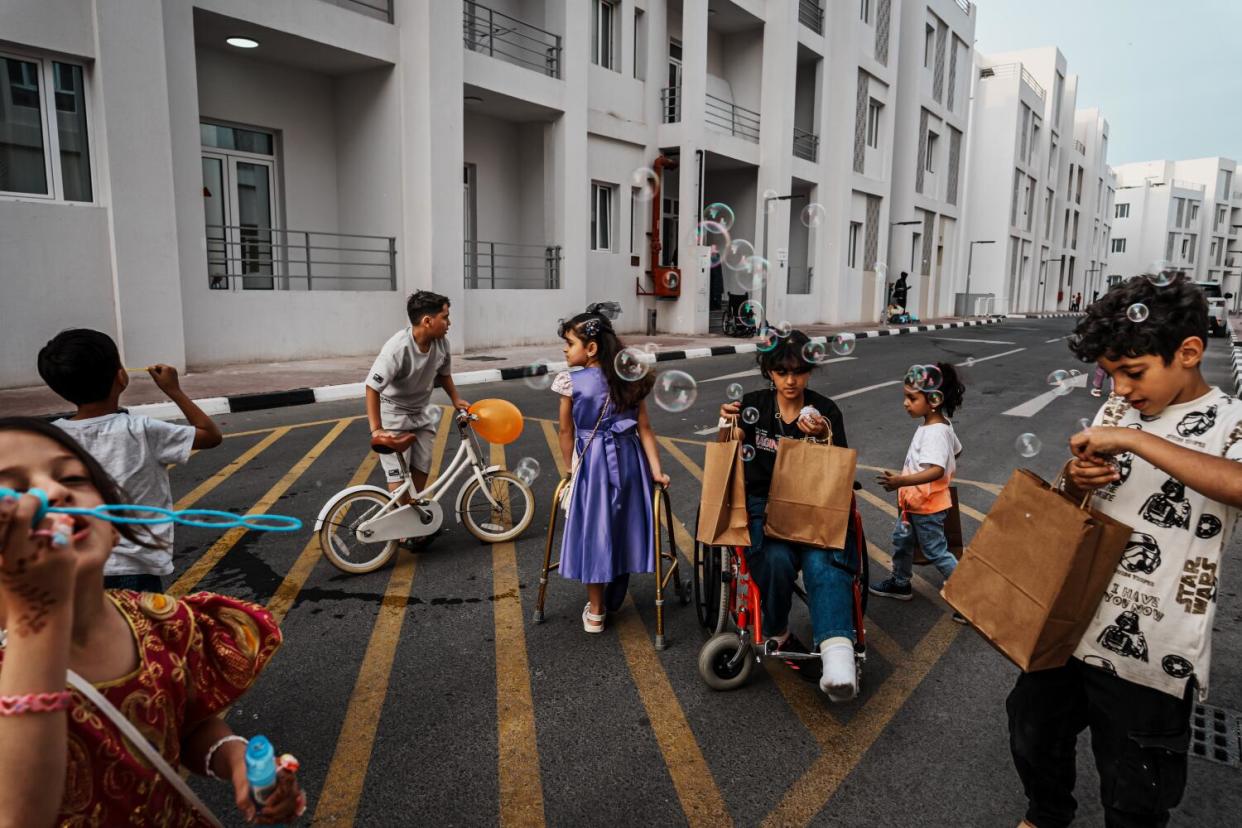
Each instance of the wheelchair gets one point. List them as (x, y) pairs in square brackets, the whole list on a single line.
[(731, 321), (727, 603), (662, 512)]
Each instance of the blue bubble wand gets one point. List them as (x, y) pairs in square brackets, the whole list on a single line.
[(134, 514)]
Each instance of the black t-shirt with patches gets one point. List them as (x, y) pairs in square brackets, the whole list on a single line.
[(764, 434)]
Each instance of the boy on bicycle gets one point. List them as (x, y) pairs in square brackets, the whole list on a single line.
[(413, 362)]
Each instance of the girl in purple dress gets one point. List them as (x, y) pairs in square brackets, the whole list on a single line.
[(603, 423)]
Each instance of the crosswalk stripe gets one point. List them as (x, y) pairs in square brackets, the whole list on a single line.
[(207, 561), (207, 486), (342, 789)]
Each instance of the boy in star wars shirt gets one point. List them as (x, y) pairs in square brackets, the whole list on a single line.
[(1134, 674)]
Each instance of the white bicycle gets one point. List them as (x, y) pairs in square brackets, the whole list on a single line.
[(360, 528)]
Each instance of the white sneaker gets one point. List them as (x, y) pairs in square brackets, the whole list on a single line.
[(840, 677)]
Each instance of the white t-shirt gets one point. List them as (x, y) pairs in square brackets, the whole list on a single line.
[(933, 445), (404, 377), (1154, 625), (135, 450)]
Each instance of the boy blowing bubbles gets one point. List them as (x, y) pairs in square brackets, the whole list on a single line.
[(1162, 457)]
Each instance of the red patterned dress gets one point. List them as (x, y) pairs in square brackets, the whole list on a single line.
[(197, 655)]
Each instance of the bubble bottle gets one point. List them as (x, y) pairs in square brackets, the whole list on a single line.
[(261, 768)]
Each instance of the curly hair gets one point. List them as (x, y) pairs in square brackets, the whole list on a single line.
[(952, 389), (1174, 313), (787, 356)]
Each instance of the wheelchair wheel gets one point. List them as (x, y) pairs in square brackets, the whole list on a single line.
[(715, 659)]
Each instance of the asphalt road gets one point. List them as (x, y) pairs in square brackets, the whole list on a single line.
[(424, 693)]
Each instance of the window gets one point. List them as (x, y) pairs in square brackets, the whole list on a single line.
[(1119, 245), (864, 10), (1194, 244), (1185, 248), (932, 139), (1212, 252), (873, 123), (636, 222), (601, 216), (1181, 211), (640, 44), (851, 250), (604, 30), (1121, 211), (929, 44), (31, 142)]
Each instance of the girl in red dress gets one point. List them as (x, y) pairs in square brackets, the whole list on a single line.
[(170, 666)]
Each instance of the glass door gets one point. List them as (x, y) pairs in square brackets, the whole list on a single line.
[(244, 247), (214, 202), (253, 193)]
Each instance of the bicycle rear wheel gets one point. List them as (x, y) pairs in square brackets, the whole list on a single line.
[(496, 525), (340, 543)]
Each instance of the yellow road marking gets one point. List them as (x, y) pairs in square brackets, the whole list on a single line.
[(205, 488), (843, 746), (987, 487), (306, 424), (682, 457), (342, 790), (521, 786), (696, 788), (190, 578)]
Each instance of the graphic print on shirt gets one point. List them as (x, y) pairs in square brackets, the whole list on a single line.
[(1124, 637), (1169, 509), (1142, 554), (1197, 586), (1209, 526), (1100, 663), (1197, 423), (1177, 667)]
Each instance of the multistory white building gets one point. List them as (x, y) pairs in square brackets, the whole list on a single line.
[(1095, 197), (1183, 213)]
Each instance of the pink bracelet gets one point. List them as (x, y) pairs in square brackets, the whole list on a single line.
[(35, 703)]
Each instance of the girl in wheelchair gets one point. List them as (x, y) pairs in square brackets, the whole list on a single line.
[(788, 410)]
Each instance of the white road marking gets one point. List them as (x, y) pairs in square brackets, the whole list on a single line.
[(864, 390), (980, 341), (751, 372), (1033, 406), (969, 362), (1058, 339)]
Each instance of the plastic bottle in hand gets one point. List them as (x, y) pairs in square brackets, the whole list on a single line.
[(261, 768)]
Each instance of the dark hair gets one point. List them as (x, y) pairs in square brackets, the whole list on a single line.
[(80, 365), (424, 303), (1174, 312), (787, 355), (593, 326), (100, 479), (951, 389)]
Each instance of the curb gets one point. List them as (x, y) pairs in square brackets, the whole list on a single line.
[(1237, 366), (357, 390), (1043, 315)]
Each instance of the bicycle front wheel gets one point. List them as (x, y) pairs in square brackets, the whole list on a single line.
[(340, 543), (509, 518)]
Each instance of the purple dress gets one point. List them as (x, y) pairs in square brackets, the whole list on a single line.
[(608, 532)]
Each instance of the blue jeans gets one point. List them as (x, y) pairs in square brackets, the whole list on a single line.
[(926, 531), (826, 574)]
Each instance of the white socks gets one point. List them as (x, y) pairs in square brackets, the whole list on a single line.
[(840, 677)]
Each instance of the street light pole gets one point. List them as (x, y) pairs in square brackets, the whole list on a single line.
[(768, 199), (970, 263)]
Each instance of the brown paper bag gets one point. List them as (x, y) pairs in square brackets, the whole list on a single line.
[(722, 502), (952, 532), (812, 488), (1035, 572)]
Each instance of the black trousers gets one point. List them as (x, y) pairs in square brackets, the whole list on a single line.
[(1139, 736)]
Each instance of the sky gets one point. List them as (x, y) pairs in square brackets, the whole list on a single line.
[(1166, 74)]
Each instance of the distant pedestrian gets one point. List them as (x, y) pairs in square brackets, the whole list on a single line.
[(901, 290), (606, 439), (932, 392)]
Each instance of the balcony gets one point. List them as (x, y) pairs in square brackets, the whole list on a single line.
[(514, 41), (1008, 70), (379, 9), (502, 265), (730, 118), (811, 15), (965, 5), (805, 144), (249, 257)]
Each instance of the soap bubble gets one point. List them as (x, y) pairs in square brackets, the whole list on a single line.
[(816, 352), (1060, 382), (1084, 424), (734, 391), (644, 181), (1074, 372), (675, 391), (527, 470), (770, 197), (750, 415), (1137, 312), (651, 347), (1160, 274), (768, 340), (935, 398), (881, 271), (783, 328), (672, 279), (932, 378), (631, 364), (712, 235), (748, 453), (916, 376), (537, 376), (750, 314), (720, 213), (737, 254), (843, 344), (1028, 445), (813, 215)]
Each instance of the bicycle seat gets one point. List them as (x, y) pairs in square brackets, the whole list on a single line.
[(389, 442)]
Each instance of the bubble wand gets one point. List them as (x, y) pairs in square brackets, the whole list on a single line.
[(130, 513)]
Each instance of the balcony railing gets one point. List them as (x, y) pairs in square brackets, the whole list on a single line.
[(275, 258), (805, 144), (1006, 70), (1081, 147), (731, 118), (811, 15), (380, 9), (494, 33), (503, 265), (670, 100), (1187, 185), (965, 5)]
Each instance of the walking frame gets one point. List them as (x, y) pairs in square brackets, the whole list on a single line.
[(661, 512)]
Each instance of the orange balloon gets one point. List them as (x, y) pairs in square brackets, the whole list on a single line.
[(499, 421)]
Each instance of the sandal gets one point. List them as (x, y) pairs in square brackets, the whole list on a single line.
[(591, 622)]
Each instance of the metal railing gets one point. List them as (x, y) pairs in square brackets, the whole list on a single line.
[(514, 41), (731, 118), (805, 144), (811, 15), (381, 9), (504, 265), (1080, 146), (965, 5), (1006, 70), (1187, 185), (276, 258), (670, 104)]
